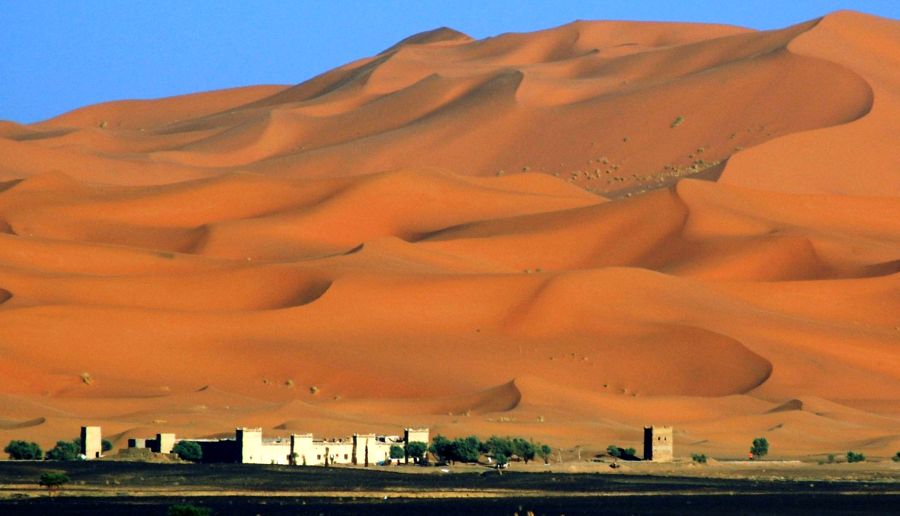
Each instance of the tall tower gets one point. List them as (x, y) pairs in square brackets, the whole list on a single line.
[(301, 449), (91, 442), (249, 443), (658, 443)]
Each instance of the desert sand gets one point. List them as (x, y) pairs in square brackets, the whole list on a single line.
[(565, 235)]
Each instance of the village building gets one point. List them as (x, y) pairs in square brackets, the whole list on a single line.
[(162, 443), (250, 447), (658, 443)]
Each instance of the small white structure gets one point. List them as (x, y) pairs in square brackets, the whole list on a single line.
[(91, 442)]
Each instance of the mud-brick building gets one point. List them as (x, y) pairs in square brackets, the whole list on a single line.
[(658, 443)]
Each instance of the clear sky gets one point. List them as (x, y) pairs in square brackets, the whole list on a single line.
[(59, 55)]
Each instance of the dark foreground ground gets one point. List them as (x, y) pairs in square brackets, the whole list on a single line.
[(663, 504), (139, 488)]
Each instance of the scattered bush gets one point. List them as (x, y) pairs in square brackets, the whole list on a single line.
[(21, 450), (186, 509), (397, 452), (545, 451), (678, 121), (188, 450), (896, 458), (53, 481), (760, 448), (64, 450), (831, 458), (855, 457), (698, 458)]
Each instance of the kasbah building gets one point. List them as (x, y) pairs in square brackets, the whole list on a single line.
[(249, 447)]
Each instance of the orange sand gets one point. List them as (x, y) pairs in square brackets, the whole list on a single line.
[(566, 234)]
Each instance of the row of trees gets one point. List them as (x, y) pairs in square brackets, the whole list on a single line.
[(64, 450), (469, 449), (414, 450)]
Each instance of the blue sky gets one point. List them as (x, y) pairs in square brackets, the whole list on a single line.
[(59, 55)]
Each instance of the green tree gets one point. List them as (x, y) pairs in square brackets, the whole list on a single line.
[(614, 451), (545, 452), (64, 450), (855, 457), (441, 447), (501, 459), (629, 452), (53, 481), (760, 447), (496, 445), (698, 458), (397, 452), (523, 448), (188, 450), (466, 449), (896, 458), (416, 450), (106, 445), (21, 450)]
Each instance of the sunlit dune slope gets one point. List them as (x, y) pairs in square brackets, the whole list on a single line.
[(565, 235)]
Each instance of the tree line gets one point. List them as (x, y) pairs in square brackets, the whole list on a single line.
[(502, 449), (64, 450)]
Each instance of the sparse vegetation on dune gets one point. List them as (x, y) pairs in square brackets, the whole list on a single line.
[(408, 239)]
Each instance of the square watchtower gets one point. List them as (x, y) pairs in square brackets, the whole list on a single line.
[(658, 443), (91, 442)]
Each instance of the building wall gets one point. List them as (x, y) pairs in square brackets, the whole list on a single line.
[(659, 445), (91, 442), (303, 451), (369, 450), (249, 443), (339, 452), (381, 451), (164, 443), (278, 452), (415, 435), (137, 442)]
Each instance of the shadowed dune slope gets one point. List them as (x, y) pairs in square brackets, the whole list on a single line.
[(564, 235)]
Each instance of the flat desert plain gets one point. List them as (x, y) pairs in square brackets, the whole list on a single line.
[(564, 235)]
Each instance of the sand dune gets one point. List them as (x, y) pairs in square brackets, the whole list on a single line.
[(564, 234)]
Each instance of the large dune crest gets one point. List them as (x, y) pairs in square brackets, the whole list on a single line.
[(564, 234)]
